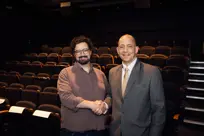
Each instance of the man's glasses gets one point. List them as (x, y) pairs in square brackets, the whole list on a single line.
[(85, 51)]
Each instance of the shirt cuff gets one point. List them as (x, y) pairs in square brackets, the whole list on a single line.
[(106, 108)]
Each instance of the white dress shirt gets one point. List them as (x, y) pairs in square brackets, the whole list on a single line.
[(130, 67)]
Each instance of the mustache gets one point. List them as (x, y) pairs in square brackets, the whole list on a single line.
[(83, 57)]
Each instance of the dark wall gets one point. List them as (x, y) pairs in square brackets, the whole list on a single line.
[(108, 25), (103, 26)]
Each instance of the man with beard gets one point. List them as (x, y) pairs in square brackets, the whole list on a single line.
[(84, 94)]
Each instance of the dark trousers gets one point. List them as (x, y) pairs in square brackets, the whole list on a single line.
[(65, 132)]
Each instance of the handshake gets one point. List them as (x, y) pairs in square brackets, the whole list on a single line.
[(99, 107)]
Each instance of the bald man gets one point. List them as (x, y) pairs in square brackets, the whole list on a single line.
[(138, 103)]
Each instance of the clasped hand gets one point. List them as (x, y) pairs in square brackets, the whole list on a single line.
[(98, 107)]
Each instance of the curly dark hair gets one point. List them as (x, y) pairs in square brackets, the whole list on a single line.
[(80, 39)]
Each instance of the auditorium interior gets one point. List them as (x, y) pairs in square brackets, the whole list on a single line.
[(35, 47)]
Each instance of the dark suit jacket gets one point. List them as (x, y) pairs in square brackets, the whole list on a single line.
[(142, 110)]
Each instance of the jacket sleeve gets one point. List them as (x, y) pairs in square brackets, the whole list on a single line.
[(157, 104), (108, 92), (68, 99)]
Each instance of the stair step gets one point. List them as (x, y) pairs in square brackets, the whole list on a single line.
[(193, 122), (196, 89), (194, 97), (195, 80), (193, 67), (194, 109), (196, 74), (197, 62)]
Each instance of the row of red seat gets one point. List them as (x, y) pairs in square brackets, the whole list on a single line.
[(166, 50), (102, 62), (169, 73), (16, 92), (24, 119)]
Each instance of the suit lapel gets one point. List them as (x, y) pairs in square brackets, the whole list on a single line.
[(134, 76), (118, 81)]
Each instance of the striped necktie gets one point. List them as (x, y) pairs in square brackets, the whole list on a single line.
[(125, 80)]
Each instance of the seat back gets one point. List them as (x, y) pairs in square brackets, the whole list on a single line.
[(16, 121), (48, 124)]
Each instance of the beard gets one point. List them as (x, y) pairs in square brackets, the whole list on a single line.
[(83, 60)]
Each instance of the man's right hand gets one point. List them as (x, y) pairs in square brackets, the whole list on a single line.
[(98, 107)]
